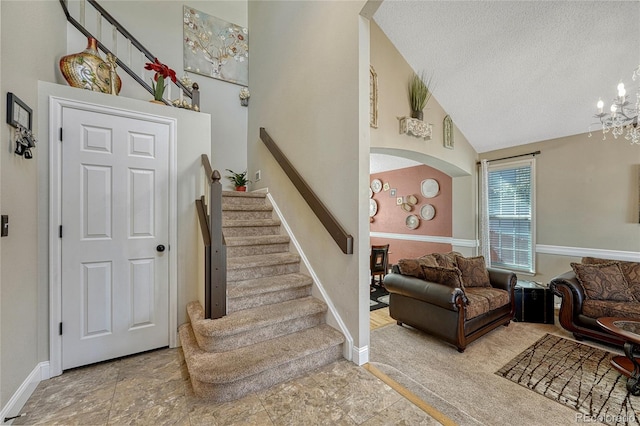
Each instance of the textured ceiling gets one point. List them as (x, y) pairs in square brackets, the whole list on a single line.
[(514, 72)]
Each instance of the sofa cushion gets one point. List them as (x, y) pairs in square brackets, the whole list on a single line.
[(606, 308), (446, 260), (474, 271), (428, 260), (603, 281), (413, 267), (450, 277), (630, 270), (483, 300)]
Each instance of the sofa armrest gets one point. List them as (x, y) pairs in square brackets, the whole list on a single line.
[(502, 279), (567, 285), (426, 291)]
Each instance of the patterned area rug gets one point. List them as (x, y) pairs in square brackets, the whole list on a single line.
[(379, 298), (578, 376)]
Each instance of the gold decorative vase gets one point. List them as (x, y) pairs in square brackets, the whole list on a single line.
[(87, 70)]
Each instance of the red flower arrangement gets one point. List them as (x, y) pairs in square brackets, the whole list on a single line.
[(162, 72)]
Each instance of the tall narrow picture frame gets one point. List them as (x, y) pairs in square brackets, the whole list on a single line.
[(447, 132), (18, 113), (373, 97)]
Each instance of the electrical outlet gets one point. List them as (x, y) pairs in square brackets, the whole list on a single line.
[(258, 175)]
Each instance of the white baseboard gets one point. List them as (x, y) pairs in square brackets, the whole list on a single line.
[(426, 239), (20, 397), (361, 355), (631, 256), (333, 312)]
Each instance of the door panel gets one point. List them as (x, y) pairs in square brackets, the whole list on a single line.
[(115, 195)]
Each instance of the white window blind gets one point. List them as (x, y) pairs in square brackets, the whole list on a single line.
[(511, 215)]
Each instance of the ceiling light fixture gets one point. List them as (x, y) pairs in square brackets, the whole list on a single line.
[(622, 118)]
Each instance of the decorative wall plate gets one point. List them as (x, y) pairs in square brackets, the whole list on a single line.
[(412, 221), (386, 186), (373, 208), (406, 207), (429, 188), (376, 185), (427, 212), (370, 193), (411, 199)]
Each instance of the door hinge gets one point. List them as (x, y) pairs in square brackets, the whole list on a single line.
[(60, 329), (60, 231), (60, 134)]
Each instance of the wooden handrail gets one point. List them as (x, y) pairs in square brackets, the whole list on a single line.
[(340, 236), (122, 30), (215, 289), (201, 208)]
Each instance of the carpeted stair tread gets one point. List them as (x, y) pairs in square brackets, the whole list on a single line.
[(240, 194), (242, 363), (246, 207), (253, 223), (253, 319), (272, 259), (256, 240), (260, 286)]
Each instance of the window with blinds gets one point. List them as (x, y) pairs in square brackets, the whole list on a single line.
[(511, 215)]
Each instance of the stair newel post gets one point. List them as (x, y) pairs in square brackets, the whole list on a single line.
[(218, 294)]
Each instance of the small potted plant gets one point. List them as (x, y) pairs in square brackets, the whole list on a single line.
[(239, 180), (419, 94), (162, 72)]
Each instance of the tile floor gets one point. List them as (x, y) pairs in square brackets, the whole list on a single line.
[(154, 389)]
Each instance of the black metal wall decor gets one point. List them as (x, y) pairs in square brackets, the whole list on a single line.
[(20, 116), (18, 113)]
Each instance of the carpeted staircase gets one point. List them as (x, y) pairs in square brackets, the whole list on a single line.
[(274, 330)]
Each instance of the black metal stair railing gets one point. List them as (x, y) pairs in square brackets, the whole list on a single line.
[(215, 286), (191, 93)]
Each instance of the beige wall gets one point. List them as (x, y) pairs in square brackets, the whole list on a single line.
[(306, 90), (158, 26), (393, 75), (33, 39), (587, 193), (393, 102)]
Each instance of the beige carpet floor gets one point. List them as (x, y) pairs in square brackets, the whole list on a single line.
[(464, 386)]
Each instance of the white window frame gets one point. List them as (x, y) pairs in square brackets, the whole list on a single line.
[(514, 165)]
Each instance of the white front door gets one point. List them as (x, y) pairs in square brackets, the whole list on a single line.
[(115, 225)]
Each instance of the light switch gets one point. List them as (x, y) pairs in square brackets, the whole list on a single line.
[(4, 225)]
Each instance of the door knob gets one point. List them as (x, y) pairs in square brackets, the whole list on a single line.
[(160, 248)]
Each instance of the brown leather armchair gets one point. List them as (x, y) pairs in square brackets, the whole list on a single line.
[(442, 311), (570, 315)]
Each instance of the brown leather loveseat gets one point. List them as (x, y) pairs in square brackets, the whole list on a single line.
[(431, 299), (597, 288)]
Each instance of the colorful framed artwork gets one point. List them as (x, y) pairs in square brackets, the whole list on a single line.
[(215, 48)]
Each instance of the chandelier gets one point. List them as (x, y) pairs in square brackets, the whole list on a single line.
[(622, 118)]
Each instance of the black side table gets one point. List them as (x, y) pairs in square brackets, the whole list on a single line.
[(534, 303)]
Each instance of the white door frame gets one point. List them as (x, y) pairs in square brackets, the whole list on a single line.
[(56, 105)]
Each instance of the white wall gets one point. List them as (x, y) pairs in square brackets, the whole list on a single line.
[(158, 26), (309, 79), (33, 39)]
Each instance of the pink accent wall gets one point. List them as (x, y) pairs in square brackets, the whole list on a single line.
[(391, 218)]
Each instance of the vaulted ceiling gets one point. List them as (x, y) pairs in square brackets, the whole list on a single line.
[(515, 72)]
